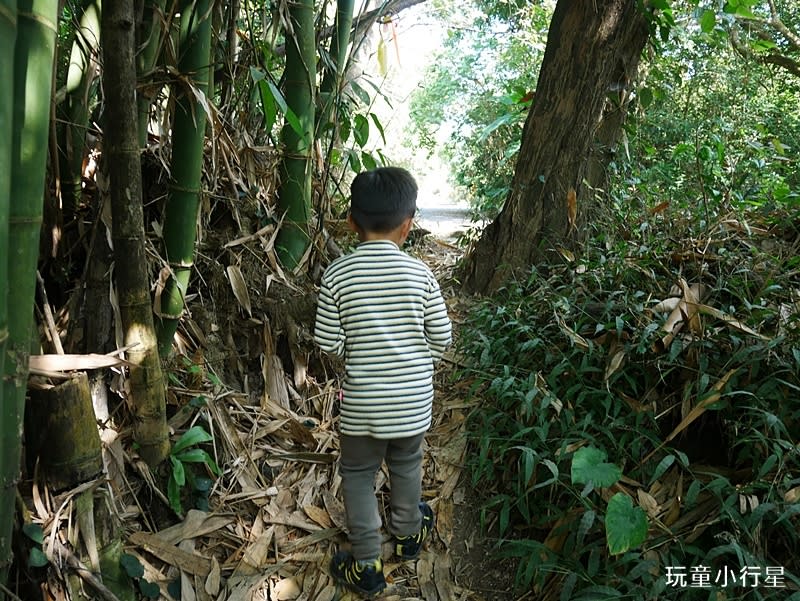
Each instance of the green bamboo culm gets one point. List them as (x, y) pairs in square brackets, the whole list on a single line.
[(332, 79), (122, 163), (32, 67), (76, 105), (150, 38), (294, 193), (188, 140), (8, 471)]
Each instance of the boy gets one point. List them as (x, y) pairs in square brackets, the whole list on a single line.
[(383, 311)]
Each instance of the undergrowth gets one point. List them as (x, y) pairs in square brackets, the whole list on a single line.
[(670, 360)]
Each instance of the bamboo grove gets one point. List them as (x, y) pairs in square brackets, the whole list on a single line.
[(91, 100)]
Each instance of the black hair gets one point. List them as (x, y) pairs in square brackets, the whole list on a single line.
[(381, 199)]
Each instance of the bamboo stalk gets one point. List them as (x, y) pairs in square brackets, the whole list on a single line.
[(33, 51), (294, 194), (125, 182), (188, 141)]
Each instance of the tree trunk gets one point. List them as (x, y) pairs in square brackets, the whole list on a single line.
[(593, 50), (294, 193), (188, 141), (32, 56), (121, 160)]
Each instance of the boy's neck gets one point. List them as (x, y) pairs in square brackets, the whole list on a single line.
[(373, 237)]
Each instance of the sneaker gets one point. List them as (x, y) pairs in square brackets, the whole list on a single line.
[(364, 577), (408, 547)]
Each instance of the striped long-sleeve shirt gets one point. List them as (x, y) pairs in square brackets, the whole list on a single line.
[(383, 311)]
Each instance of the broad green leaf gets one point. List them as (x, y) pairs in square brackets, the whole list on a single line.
[(174, 496), (34, 532), (708, 20), (132, 566), (362, 94), (36, 558), (149, 589), (626, 525), (763, 45), (355, 163), (178, 472), (361, 130), (198, 456), (368, 161), (589, 465), (267, 105), (193, 436)]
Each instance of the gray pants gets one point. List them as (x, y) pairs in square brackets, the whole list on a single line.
[(361, 457)]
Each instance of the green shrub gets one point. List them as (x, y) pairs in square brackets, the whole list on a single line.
[(595, 426)]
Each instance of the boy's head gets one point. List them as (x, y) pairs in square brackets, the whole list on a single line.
[(383, 199)]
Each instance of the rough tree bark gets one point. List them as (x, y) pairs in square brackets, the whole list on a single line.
[(593, 49)]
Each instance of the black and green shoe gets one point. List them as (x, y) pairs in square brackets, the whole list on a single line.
[(408, 547), (364, 577)]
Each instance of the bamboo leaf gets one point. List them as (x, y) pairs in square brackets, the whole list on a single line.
[(288, 113), (34, 532), (178, 472), (378, 126), (132, 566), (193, 436), (708, 20), (361, 130), (239, 286), (37, 559)]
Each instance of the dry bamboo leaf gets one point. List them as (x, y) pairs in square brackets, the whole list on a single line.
[(318, 515), (239, 286), (286, 589), (301, 434), (311, 539), (188, 588), (189, 562), (442, 576), (335, 509), (731, 321), (213, 582), (326, 594), (444, 521), (647, 502), (614, 364), (572, 208), (73, 362), (425, 578), (667, 305), (576, 338), (256, 555), (197, 523), (673, 513), (267, 229)]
